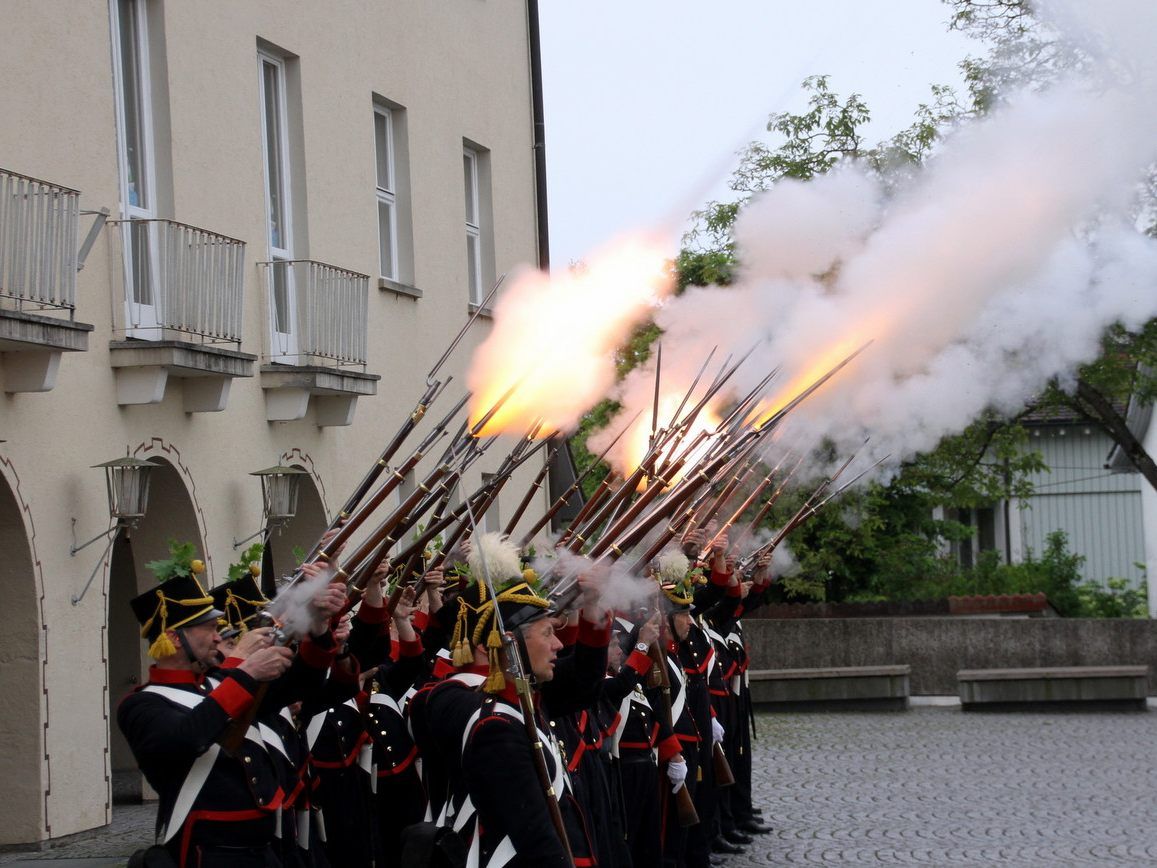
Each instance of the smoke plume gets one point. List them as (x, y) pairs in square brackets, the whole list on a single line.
[(993, 269)]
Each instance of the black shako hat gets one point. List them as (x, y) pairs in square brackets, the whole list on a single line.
[(175, 603), (241, 600)]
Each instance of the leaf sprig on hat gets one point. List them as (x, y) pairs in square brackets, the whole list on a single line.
[(244, 567), (182, 561)]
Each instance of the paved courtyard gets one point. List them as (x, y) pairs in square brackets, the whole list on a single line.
[(931, 786), (935, 786)]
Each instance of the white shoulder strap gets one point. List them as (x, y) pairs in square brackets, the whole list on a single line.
[(624, 713), (386, 700), (681, 700), (313, 728), (187, 698)]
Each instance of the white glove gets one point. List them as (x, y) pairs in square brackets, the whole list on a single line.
[(716, 730), (676, 774)]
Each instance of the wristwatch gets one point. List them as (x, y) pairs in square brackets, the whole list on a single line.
[(643, 647)]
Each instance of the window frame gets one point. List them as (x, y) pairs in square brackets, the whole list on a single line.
[(474, 228), (283, 344), (387, 195), (142, 308)]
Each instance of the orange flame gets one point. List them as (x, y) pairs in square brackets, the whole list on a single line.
[(554, 337), (814, 367), (637, 441)]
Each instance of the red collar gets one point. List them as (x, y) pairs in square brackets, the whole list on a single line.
[(174, 676)]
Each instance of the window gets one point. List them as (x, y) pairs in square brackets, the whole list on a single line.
[(473, 227), (387, 192), (479, 222), (392, 199), (134, 111), (275, 151)]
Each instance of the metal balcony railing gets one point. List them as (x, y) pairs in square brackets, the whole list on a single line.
[(317, 312), (180, 279), (38, 253)]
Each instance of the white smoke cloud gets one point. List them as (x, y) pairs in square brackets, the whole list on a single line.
[(993, 269), (292, 606)]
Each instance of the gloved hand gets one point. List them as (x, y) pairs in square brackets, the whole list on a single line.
[(676, 774), (716, 730)]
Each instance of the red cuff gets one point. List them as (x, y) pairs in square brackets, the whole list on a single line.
[(595, 635), (420, 620), (411, 648), (314, 656), (232, 662), (368, 614), (718, 578), (568, 635), (734, 591), (640, 661), (668, 747), (232, 696)]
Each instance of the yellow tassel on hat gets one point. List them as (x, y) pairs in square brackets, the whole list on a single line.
[(495, 681), (162, 647), (461, 654)]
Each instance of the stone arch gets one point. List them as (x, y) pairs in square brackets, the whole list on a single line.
[(24, 716), (172, 514)]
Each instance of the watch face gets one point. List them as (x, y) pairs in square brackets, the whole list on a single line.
[(642, 646)]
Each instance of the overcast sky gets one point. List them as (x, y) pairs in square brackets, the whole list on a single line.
[(647, 101)]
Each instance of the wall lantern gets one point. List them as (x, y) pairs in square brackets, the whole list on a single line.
[(279, 488), (127, 482)]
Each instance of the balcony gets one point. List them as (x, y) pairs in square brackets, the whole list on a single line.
[(317, 338), (180, 315), (38, 265)]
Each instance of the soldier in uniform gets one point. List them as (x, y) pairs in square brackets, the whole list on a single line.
[(475, 722), (214, 809)]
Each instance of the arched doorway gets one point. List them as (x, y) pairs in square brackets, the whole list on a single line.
[(171, 515), (301, 532), (21, 727)]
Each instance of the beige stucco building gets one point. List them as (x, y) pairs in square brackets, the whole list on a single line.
[(303, 200)]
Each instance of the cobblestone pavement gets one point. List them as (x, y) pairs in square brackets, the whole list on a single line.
[(936, 786), (931, 786)]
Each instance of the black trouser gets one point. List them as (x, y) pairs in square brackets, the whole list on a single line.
[(740, 756), (641, 797)]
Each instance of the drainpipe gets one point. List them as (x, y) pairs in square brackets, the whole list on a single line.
[(539, 134)]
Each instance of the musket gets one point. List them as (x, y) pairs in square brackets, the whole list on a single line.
[(794, 402), (760, 487), (406, 515), (593, 502), (325, 552), (576, 486), (608, 513), (462, 332), (539, 478), (607, 540), (771, 501), (517, 666), (810, 508), (655, 405), (433, 390)]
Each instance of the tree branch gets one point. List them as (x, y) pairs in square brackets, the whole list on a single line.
[(1101, 408)]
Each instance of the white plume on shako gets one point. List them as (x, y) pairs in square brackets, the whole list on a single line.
[(493, 555)]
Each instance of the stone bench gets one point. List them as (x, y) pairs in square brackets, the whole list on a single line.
[(1109, 686), (858, 687)]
